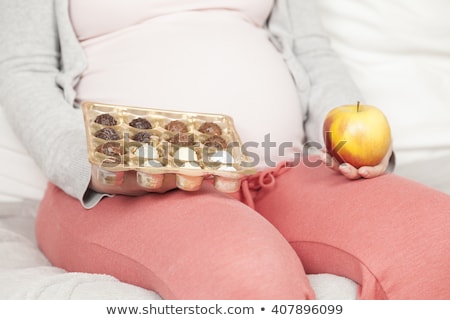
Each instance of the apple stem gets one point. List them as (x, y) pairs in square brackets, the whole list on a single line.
[(357, 106)]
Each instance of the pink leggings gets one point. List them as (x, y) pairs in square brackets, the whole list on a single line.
[(388, 234)]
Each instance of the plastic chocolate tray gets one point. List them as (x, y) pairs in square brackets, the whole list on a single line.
[(154, 142)]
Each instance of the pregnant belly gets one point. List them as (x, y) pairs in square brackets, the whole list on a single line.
[(214, 62)]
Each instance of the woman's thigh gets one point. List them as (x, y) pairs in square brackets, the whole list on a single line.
[(200, 245), (389, 234)]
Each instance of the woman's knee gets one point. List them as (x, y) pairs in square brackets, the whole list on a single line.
[(242, 256)]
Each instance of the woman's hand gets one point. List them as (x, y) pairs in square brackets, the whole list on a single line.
[(129, 186), (352, 173)]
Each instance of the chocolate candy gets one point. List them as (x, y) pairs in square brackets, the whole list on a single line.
[(110, 149), (106, 119), (183, 139), (210, 128), (177, 126), (107, 134), (216, 142), (140, 123), (144, 137)]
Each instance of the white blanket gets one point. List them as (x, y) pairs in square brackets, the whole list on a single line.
[(26, 274)]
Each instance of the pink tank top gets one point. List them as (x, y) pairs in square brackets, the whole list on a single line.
[(192, 55)]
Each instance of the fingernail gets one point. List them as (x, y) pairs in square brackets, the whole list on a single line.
[(344, 167)]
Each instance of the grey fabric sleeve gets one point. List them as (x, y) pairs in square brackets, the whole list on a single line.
[(322, 79), (50, 128)]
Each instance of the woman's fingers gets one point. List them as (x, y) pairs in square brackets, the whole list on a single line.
[(349, 171), (352, 173)]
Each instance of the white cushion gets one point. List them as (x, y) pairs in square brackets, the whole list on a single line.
[(398, 52), (20, 177)]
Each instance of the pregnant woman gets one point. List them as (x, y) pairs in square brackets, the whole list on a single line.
[(267, 64)]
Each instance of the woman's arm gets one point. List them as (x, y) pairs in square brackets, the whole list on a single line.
[(49, 127), (296, 26), (40, 59)]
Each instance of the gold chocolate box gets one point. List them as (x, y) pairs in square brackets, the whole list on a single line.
[(153, 143)]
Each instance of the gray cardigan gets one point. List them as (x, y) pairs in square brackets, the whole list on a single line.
[(41, 62)]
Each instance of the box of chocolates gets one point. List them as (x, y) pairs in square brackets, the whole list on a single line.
[(153, 143)]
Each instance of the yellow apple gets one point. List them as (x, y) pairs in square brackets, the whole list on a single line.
[(357, 134)]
